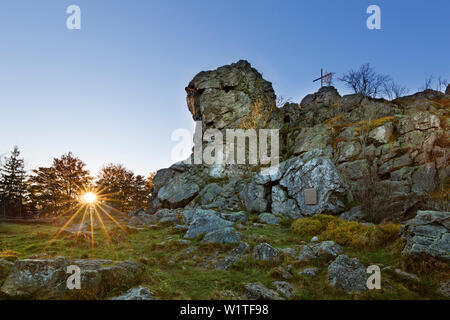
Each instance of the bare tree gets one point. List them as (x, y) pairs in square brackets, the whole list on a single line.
[(428, 83), (281, 101), (441, 84), (365, 81), (433, 82), (394, 90)]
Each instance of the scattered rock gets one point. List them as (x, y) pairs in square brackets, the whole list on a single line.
[(315, 239), (257, 291), (139, 293), (285, 288), (445, 287), (310, 272), (288, 251), (224, 236), (347, 274), (226, 295), (319, 249), (189, 250), (324, 248), (234, 256), (305, 254), (281, 272), (265, 252), (407, 275), (268, 218), (238, 217), (205, 221), (428, 233), (46, 278)]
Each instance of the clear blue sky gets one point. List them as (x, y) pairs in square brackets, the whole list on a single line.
[(114, 90)]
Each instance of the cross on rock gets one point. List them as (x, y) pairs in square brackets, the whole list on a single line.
[(324, 78)]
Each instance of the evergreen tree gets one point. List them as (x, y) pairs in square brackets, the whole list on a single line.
[(12, 184)]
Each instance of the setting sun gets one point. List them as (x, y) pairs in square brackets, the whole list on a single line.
[(89, 197)]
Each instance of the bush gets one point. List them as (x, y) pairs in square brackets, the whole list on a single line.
[(346, 233), (311, 227)]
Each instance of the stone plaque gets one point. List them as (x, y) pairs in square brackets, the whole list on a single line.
[(311, 196)]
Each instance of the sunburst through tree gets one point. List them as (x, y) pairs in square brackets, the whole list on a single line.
[(91, 205)]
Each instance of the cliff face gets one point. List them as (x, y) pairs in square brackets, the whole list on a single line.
[(370, 158)]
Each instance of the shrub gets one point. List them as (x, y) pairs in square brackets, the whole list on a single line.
[(308, 226), (346, 233)]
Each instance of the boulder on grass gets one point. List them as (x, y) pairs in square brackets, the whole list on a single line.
[(47, 278), (347, 274)]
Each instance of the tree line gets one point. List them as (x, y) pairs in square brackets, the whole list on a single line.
[(55, 190)]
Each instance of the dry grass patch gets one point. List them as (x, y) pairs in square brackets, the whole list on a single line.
[(345, 233)]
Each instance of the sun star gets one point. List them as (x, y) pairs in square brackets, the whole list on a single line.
[(89, 197)]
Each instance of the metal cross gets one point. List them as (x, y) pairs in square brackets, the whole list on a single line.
[(327, 77)]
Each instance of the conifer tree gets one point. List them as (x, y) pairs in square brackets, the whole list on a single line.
[(12, 184)]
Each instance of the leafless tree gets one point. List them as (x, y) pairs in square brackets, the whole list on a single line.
[(365, 81), (433, 82), (428, 83), (281, 101), (394, 90), (441, 84)]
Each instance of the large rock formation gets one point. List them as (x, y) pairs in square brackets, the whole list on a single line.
[(222, 97), (386, 157)]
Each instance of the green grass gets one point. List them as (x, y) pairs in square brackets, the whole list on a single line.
[(173, 275)]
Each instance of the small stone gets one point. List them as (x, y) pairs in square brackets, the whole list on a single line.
[(234, 256), (265, 252), (285, 288), (445, 289), (288, 251), (407, 275), (310, 272), (139, 293), (268, 218), (258, 291)]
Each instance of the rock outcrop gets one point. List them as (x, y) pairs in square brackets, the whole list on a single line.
[(222, 97), (346, 150)]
